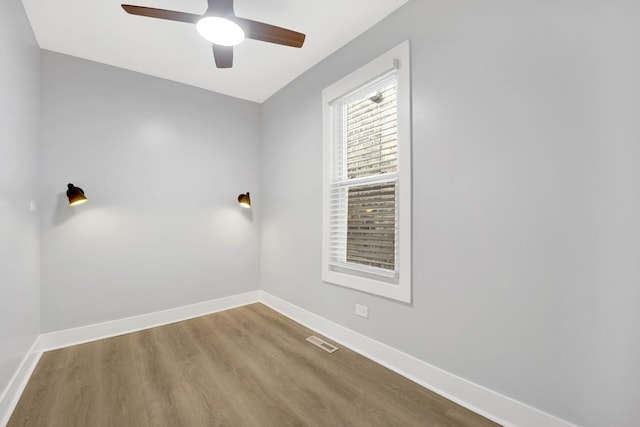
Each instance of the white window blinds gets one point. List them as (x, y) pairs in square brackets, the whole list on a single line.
[(363, 208)]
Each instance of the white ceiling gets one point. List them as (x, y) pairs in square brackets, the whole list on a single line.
[(99, 30)]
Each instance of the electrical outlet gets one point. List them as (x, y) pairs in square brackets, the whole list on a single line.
[(362, 311), (33, 206)]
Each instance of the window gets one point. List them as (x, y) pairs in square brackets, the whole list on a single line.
[(367, 178)]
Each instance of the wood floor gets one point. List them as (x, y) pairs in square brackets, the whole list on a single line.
[(249, 366)]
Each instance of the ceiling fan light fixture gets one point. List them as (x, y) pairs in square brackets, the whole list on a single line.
[(220, 31)]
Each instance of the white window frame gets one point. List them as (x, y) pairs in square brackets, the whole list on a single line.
[(396, 60)]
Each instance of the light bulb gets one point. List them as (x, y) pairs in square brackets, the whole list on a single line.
[(220, 31), (78, 202)]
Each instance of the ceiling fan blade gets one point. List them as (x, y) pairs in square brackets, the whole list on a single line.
[(223, 56), (270, 33), (171, 15)]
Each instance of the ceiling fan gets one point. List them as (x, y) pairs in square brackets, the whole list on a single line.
[(223, 28)]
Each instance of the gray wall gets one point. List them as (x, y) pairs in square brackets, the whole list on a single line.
[(526, 142), (162, 164), (19, 250)]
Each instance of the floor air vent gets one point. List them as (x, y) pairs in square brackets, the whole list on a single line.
[(322, 344)]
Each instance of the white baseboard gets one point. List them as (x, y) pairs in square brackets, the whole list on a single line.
[(495, 406), (11, 394), (83, 334)]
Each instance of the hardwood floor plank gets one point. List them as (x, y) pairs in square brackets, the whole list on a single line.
[(74, 404), (249, 366), (120, 395), (209, 342), (160, 377)]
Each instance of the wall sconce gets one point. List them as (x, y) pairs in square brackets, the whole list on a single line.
[(76, 195), (245, 200)]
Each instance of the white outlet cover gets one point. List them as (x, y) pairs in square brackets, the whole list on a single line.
[(362, 311)]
